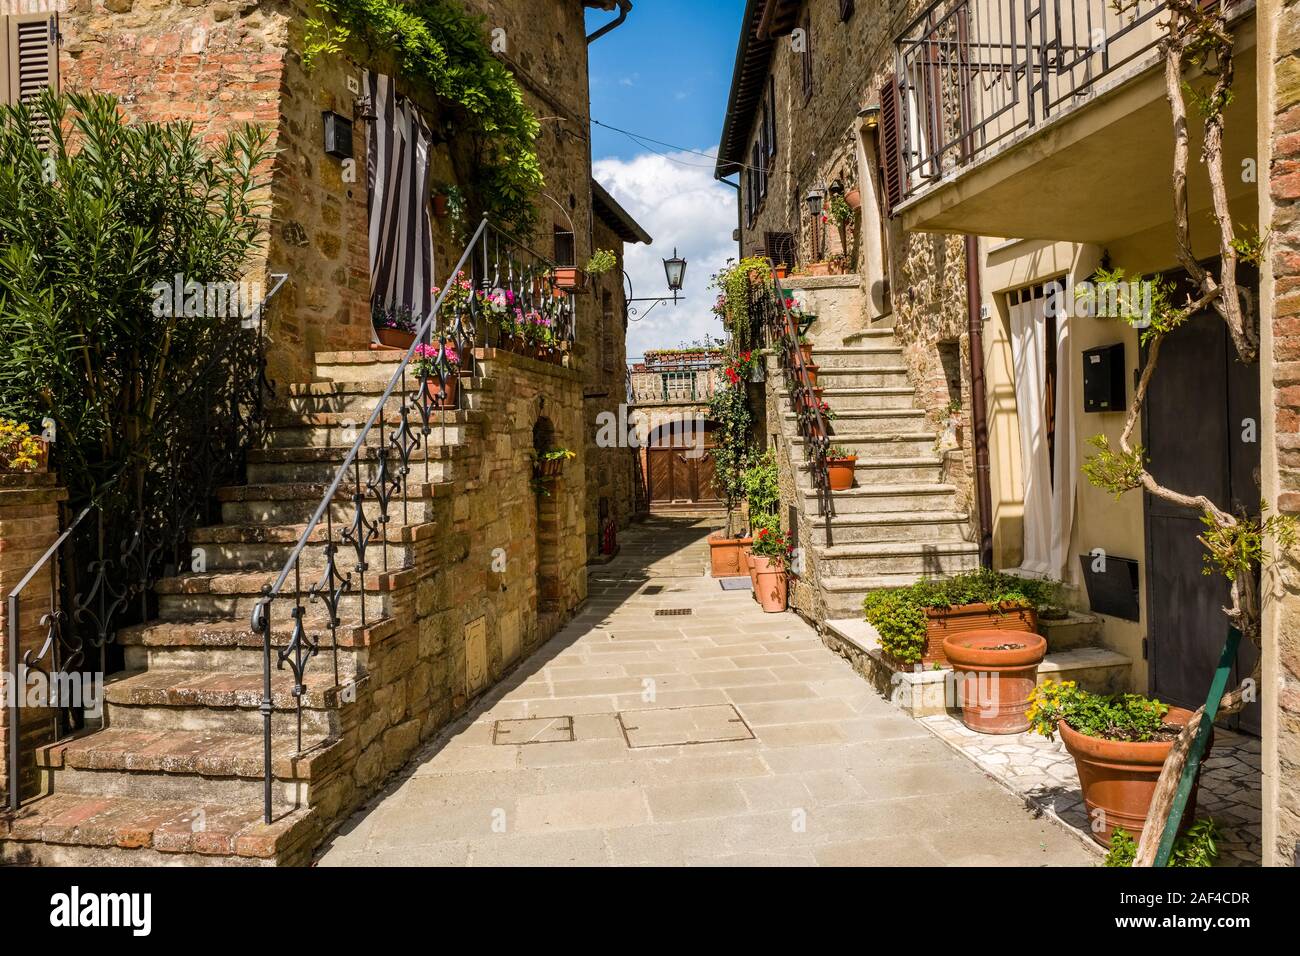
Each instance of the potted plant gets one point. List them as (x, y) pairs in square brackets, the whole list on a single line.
[(1195, 847), (819, 268), (548, 465), (913, 621), (438, 366), (840, 463), (996, 672), (20, 450), (729, 408), (601, 261), (570, 279), (781, 270), (1119, 743), (854, 198), (394, 326), (772, 551)]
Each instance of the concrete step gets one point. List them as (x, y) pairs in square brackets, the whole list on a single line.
[(869, 472), (340, 430), (884, 498), (72, 829), (1076, 631), (260, 547), (882, 353), (844, 399), (1096, 669), (870, 445), (949, 526), (296, 503), (862, 378), (185, 764), (233, 595), (874, 421), (223, 701), (268, 466), (932, 559)]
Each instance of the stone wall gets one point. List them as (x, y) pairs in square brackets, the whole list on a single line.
[(29, 523), (1280, 133)]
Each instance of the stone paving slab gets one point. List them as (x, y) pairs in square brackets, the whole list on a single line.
[(829, 774)]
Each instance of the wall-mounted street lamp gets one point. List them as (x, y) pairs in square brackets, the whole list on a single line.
[(674, 272)]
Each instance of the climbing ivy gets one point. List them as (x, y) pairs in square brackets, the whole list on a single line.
[(437, 44)]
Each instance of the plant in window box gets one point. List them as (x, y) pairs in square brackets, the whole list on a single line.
[(570, 279), (601, 261), (772, 553), (438, 367), (782, 270), (548, 465), (20, 450), (1119, 743), (840, 463), (394, 326)]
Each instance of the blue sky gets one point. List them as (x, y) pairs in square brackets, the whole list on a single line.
[(665, 74)]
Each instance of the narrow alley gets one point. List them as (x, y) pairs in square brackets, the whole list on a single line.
[(674, 723)]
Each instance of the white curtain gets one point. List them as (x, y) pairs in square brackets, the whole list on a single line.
[(1049, 511)]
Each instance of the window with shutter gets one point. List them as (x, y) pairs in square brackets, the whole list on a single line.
[(32, 55), (891, 178), (771, 117)]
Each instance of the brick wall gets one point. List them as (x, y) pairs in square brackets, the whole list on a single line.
[(29, 523), (1283, 184)]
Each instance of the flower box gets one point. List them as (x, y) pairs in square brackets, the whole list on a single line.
[(941, 623)]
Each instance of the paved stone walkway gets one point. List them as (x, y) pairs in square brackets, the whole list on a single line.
[(726, 736)]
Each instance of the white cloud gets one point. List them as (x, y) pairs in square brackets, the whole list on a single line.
[(681, 206)]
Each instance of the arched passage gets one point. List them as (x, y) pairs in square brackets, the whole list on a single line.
[(680, 470)]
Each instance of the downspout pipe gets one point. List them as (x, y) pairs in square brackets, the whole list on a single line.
[(740, 218), (979, 409), (624, 8)]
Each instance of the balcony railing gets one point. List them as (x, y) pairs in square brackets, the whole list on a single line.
[(653, 388), (976, 75)]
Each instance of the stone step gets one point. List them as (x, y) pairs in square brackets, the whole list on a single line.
[(369, 366), (319, 465), (73, 829), (297, 503), (870, 472), (232, 644), (884, 377), (340, 430), (234, 594), (843, 596), (932, 559), (267, 547), (872, 445), (882, 353), (1096, 669), (951, 526), (884, 498), (360, 398), (1078, 630), (875, 421), (843, 399)]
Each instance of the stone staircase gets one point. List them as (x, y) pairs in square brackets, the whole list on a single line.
[(900, 520), (175, 775)]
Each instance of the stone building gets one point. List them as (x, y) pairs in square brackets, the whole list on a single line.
[(482, 554), (1053, 177)]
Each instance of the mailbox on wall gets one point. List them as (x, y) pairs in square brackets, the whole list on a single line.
[(1103, 379)]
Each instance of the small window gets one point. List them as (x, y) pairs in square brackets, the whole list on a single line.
[(566, 250), (846, 10), (771, 118), (781, 248)]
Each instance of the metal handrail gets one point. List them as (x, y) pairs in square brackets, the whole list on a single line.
[(528, 283)]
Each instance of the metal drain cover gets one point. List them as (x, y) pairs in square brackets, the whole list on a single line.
[(674, 726), (533, 730), (653, 589), (672, 611)]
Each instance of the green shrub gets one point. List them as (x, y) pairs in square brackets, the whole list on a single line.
[(898, 614), (762, 490), (1196, 847), (1129, 717)]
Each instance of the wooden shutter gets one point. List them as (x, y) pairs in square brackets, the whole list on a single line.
[(33, 55), (888, 142)]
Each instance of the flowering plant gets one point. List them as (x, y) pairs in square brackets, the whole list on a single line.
[(430, 359), (740, 370), (459, 291), (499, 301), (20, 450), (398, 317), (772, 544)]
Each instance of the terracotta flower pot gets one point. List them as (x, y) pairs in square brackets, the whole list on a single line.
[(807, 349), (770, 585), (443, 396), (840, 472), (395, 338), (440, 205), (749, 566), (726, 555), (780, 271), (1119, 777), (854, 198), (996, 671), (570, 279), (812, 372)]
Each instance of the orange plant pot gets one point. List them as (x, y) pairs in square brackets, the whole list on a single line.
[(726, 555), (1119, 777), (839, 471), (770, 584), (753, 581), (996, 671), (395, 338), (443, 396)]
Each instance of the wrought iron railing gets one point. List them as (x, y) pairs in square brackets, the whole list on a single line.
[(103, 564), (770, 304), (654, 387), (509, 283), (975, 75)]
